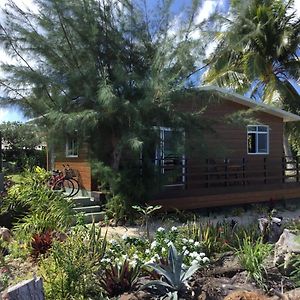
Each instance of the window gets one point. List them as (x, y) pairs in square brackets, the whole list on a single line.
[(258, 139), (170, 156), (72, 147)]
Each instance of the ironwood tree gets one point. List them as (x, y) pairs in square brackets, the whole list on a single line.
[(109, 71)]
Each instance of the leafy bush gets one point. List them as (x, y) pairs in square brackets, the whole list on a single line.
[(42, 208), (118, 279), (116, 208), (252, 254), (174, 276), (219, 237), (295, 275), (70, 271)]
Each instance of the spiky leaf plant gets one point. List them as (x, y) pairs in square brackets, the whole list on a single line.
[(174, 276)]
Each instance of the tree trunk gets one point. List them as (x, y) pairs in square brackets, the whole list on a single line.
[(116, 153), (286, 145)]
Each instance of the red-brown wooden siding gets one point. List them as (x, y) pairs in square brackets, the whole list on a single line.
[(80, 164)]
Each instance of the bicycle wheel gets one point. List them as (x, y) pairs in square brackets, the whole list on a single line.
[(76, 187), (65, 186)]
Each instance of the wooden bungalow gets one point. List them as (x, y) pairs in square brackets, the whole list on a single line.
[(246, 163)]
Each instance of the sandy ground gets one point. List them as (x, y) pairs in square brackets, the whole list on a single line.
[(248, 217)]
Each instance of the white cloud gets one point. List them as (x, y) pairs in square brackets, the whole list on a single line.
[(3, 114), (297, 7), (207, 9)]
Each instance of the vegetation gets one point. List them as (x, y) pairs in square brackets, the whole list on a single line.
[(258, 52), (21, 142), (252, 254), (174, 275), (146, 213), (89, 68), (36, 207)]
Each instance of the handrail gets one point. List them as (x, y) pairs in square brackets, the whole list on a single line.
[(227, 171)]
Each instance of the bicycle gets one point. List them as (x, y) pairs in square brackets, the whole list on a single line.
[(64, 182)]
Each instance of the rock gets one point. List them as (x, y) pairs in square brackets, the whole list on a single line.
[(135, 296), (271, 229), (292, 295), (287, 246), (5, 234), (244, 295)]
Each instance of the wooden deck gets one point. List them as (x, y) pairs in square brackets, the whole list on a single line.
[(223, 197), (228, 182)]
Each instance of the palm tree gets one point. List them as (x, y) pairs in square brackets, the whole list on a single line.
[(258, 52)]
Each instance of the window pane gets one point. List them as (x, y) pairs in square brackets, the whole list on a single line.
[(262, 128), (262, 143), (251, 128), (251, 143)]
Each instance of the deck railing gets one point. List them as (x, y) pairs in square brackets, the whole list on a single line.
[(180, 172)]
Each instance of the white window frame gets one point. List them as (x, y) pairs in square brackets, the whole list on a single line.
[(257, 133), (159, 154), (71, 150)]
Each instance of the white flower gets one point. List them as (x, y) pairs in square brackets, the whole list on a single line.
[(156, 256), (124, 237), (197, 244), (160, 229), (124, 256), (166, 241), (147, 251), (133, 263), (195, 262), (169, 244), (202, 254), (186, 252), (194, 254), (174, 228), (184, 240), (184, 248), (163, 249), (113, 242), (205, 259), (151, 261), (153, 244), (135, 256), (191, 241)]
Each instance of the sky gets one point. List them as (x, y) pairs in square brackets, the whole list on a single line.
[(208, 7)]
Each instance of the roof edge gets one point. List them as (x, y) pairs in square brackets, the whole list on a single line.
[(237, 98)]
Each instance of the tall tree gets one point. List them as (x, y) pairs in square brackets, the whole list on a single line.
[(258, 51), (105, 69)]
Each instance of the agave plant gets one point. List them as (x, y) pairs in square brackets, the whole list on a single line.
[(174, 276)]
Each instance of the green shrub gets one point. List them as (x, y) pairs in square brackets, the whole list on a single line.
[(252, 254), (116, 208), (295, 275), (71, 269), (39, 208)]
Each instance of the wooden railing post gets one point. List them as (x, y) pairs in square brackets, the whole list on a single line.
[(185, 174), (226, 171), (297, 168), (244, 182), (265, 170), (283, 169), (207, 175)]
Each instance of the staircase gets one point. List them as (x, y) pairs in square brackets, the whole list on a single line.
[(90, 207)]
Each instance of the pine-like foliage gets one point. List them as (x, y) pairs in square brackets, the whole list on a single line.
[(107, 70)]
